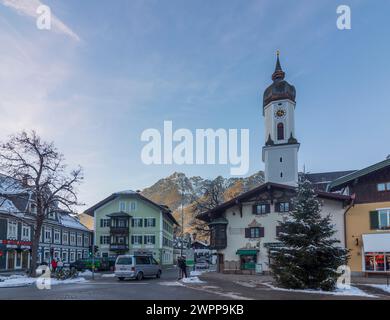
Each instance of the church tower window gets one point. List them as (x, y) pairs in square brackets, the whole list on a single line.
[(280, 131)]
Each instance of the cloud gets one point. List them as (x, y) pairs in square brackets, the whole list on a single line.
[(29, 8)]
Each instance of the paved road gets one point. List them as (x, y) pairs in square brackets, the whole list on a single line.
[(110, 288), (215, 286)]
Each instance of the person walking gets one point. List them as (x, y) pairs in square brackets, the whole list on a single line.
[(53, 265), (183, 267)]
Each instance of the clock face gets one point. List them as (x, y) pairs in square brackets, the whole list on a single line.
[(280, 113)]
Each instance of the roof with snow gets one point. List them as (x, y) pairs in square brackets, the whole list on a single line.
[(71, 222)]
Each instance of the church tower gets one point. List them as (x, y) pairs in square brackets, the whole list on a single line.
[(280, 153)]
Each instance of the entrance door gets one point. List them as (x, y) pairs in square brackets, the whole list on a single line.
[(25, 259), (18, 262), (11, 259)]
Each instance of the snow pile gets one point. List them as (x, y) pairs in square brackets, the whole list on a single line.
[(192, 280), (108, 275), (383, 287), (352, 291), (171, 283), (22, 281), (196, 273), (86, 273)]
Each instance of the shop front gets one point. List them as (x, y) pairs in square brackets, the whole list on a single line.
[(17, 254), (376, 252), (248, 258)]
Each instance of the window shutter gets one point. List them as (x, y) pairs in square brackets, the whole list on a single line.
[(145, 239), (145, 222), (374, 220), (254, 209), (277, 207), (247, 232), (267, 208), (140, 223), (132, 239), (261, 232)]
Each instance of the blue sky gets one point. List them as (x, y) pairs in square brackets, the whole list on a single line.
[(110, 69)]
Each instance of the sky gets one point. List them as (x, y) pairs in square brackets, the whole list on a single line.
[(108, 70)]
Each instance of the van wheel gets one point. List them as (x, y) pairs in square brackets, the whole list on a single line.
[(140, 276), (158, 275), (121, 278)]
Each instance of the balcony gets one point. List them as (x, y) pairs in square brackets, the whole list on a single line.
[(119, 247), (119, 230)]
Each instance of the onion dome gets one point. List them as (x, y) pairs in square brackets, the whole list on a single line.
[(279, 89)]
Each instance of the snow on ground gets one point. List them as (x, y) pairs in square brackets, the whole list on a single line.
[(196, 273), (353, 291), (170, 283), (86, 273), (22, 281), (192, 280), (383, 287), (108, 275)]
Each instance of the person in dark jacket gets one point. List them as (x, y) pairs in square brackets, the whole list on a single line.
[(183, 266)]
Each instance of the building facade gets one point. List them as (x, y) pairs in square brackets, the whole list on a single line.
[(368, 220), (62, 237), (127, 222), (244, 230)]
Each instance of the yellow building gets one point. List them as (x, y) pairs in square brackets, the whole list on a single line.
[(367, 221)]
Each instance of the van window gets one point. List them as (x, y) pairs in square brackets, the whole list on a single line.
[(124, 260), (142, 260)]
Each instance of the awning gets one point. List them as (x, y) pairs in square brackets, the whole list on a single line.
[(376, 242), (247, 252)]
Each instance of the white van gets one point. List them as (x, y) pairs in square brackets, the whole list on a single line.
[(136, 267)]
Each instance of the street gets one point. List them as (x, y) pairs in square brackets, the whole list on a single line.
[(213, 287)]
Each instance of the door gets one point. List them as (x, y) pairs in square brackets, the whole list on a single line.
[(18, 260), (11, 259), (25, 259)]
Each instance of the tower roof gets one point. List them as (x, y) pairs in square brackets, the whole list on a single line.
[(279, 89)]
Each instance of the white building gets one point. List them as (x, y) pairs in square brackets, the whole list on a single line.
[(244, 229)]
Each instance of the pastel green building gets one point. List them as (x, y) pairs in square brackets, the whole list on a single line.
[(127, 222)]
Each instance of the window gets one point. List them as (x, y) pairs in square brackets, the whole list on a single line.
[(65, 237), (72, 256), (79, 240), (281, 159), (85, 254), (136, 240), (51, 215), (122, 206), (46, 256), (124, 261), (167, 227), (104, 223), (254, 232), (133, 206), (12, 230), (79, 255), (57, 236), (150, 239), (282, 207), (383, 186), (104, 239), (380, 219), (142, 260), (25, 232), (64, 256), (261, 208), (150, 222), (167, 242), (280, 131), (377, 261), (47, 235), (86, 241), (136, 222), (72, 239)]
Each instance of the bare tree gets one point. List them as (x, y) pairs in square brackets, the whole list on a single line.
[(213, 194), (40, 168)]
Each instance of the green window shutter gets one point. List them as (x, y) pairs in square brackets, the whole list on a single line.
[(374, 220), (247, 232)]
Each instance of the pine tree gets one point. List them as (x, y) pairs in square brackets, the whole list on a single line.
[(309, 256)]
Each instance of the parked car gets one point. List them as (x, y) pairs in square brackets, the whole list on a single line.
[(101, 264), (136, 267)]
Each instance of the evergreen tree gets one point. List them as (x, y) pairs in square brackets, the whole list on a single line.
[(309, 256)]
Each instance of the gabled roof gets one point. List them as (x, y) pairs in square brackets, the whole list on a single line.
[(345, 180), (321, 180), (164, 209), (267, 186)]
